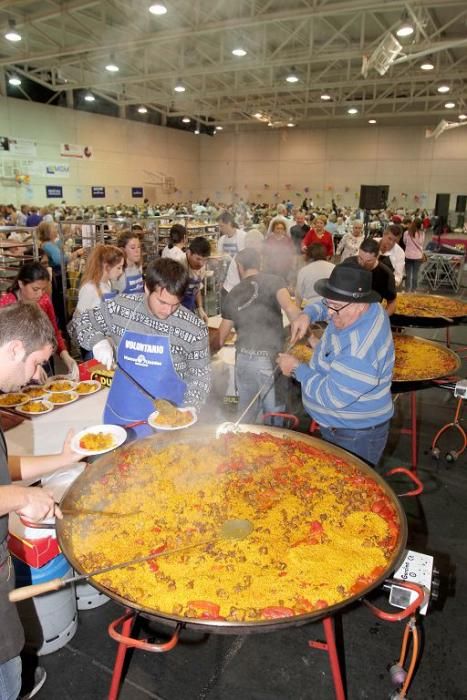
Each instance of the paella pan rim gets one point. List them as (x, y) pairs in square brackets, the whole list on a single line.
[(401, 320), (438, 375), (201, 433)]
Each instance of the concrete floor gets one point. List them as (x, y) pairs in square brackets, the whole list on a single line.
[(280, 665)]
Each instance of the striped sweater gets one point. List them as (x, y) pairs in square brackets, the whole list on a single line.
[(347, 383), (188, 337)]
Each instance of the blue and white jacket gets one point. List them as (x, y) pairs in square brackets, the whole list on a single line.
[(347, 383)]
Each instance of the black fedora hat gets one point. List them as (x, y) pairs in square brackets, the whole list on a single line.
[(352, 284)]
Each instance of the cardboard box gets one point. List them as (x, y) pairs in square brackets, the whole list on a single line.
[(92, 369), (35, 553), (103, 375)]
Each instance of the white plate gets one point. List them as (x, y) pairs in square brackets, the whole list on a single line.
[(156, 426), (119, 434), (50, 407), (60, 378), (91, 382), (39, 387), (17, 394), (71, 396)]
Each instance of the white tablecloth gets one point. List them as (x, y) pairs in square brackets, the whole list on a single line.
[(45, 434)]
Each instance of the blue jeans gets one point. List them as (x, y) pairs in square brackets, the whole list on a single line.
[(367, 443), (251, 372), (411, 274), (10, 679)]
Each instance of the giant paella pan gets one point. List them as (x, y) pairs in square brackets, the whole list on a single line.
[(326, 529), (417, 359), (428, 311)]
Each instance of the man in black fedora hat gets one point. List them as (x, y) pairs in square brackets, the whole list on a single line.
[(346, 387)]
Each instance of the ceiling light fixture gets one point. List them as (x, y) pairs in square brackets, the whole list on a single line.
[(219, 128), (407, 28), (450, 105), (325, 97), (142, 109), (14, 80), (371, 121), (239, 52), (186, 120), (12, 34), (112, 66), (352, 110), (292, 78), (197, 131), (443, 88), (290, 124), (89, 97), (257, 115), (158, 8), (462, 117), (179, 88), (427, 64)]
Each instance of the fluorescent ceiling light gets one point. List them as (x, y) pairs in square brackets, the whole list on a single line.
[(352, 110), (371, 121), (89, 97), (462, 117), (179, 88), (219, 128), (158, 8), (450, 105), (196, 131), (427, 64), (239, 52), (12, 34), (292, 78), (406, 28), (325, 97), (186, 120), (443, 88), (14, 80), (112, 68), (290, 124), (142, 109)]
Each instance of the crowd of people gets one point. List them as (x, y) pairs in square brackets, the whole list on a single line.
[(147, 320)]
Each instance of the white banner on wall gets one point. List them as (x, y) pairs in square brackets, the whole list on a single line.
[(73, 150), (41, 168), (18, 147)]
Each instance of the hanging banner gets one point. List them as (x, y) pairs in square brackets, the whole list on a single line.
[(73, 150), (54, 191), (137, 192), (97, 192)]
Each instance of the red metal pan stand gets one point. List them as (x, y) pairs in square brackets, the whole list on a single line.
[(126, 621), (453, 454), (126, 641)]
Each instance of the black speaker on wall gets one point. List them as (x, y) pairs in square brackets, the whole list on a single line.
[(461, 203), (442, 205), (373, 196)]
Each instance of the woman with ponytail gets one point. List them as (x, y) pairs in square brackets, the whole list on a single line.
[(176, 245), (104, 267), (32, 284)]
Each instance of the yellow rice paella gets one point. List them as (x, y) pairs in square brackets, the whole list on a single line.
[(322, 529)]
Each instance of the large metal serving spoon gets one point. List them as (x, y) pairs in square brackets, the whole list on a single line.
[(235, 529)]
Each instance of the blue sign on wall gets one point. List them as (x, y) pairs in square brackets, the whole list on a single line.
[(136, 192), (97, 192), (54, 191)]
